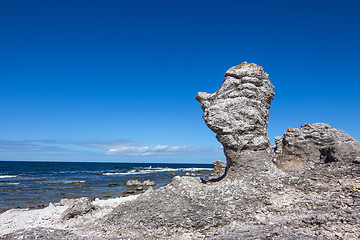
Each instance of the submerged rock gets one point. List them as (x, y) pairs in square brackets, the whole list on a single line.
[(238, 113), (312, 144)]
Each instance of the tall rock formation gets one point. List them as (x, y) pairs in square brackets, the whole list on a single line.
[(238, 113)]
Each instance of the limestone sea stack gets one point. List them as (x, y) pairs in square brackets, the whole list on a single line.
[(238, 113)]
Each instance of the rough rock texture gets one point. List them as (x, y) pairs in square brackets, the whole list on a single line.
[(46, 233), (343, 151), (137, 183), (219, 169), (238, 113), (78, 207), (313, 144)]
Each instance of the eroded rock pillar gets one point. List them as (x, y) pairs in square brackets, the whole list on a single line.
[(238, 113)]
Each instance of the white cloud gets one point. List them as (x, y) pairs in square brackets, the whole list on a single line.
[(158, 150), (108, 147)]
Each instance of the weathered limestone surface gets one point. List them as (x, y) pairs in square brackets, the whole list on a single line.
[(313, 144), (78, 207), (238, 113)]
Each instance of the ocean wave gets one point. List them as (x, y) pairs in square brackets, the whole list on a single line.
[(76, 182), (149, 170), (9, 183), (69, 182), (8, 176)]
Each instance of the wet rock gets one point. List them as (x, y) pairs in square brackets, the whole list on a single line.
[(128, 192), (78, 182), (113, 184)]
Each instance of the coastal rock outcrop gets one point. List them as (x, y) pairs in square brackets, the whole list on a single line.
[(238, 113), (312, 144)]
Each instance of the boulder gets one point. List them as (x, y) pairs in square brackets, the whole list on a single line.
[(238, 113), (128, 192), (137, 183), (312, 144), (113, 184), (78, 207)]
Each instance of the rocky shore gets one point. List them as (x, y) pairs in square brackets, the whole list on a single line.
[(307, 186)]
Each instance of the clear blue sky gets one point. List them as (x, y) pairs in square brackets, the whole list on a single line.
[(116, 80)]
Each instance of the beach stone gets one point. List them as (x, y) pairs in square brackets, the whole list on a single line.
[(137, 183), (312, 144), (79, 207), (238, 113), (128, 192)]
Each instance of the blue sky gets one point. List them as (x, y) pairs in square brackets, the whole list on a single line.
[(115, 81)]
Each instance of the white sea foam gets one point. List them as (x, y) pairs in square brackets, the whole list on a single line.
[(8, 176), (10, 183), (81, 181), (155, 170)]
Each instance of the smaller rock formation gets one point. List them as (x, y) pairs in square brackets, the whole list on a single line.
[(78, 207), (313, 144), (219, 169), (137, 183)]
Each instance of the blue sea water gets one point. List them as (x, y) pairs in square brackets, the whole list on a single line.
[(36, 184)]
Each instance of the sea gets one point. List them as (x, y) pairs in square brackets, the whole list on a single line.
[(25, 184)]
